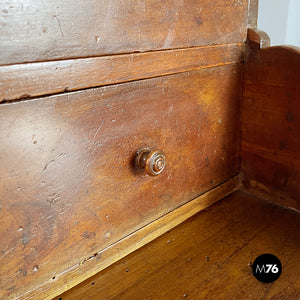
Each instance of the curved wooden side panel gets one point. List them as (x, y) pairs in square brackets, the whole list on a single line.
[(258, 38), (270, 144)]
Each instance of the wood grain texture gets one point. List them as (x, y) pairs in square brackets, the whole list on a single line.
[(129, 244), (46, 30), (68, 184), (208, 257), (258, 38), (252, 13), (270, 146), (36, 79)]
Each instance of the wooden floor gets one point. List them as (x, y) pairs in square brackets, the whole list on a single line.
[(208, 257)]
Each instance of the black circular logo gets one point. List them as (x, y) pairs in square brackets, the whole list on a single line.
[(267, 268)]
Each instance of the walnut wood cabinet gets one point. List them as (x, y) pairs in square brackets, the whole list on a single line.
[(85, 85)]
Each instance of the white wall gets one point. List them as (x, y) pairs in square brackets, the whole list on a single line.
[(293, 24), (281, 20)]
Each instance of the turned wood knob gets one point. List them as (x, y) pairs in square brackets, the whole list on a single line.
[(153, 161)]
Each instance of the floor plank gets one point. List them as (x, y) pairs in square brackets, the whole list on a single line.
[(208, 257)]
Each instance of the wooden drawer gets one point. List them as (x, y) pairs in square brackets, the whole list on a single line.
[(68, 180), (50, 30)]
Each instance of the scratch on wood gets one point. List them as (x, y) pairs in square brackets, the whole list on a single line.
[(6, 252), (46, 165), (58, 21), (98, 130)]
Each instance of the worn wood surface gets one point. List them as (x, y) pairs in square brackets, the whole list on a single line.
[(68, 184), (257, 39), (48, 30), (106, 257), (208, 257), (270, 146), (252, 13), (36, 79)]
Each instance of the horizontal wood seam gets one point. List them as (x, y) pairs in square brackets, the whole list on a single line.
[(123, 54), (107, 85), (36, 80)]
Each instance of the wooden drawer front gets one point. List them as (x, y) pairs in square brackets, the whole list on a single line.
[(68, 183), (49, 30)]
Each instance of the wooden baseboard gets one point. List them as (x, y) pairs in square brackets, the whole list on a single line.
[(275, 195), (105, 257)]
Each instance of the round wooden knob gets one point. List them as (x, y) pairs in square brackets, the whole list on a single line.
[(153, 161)]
